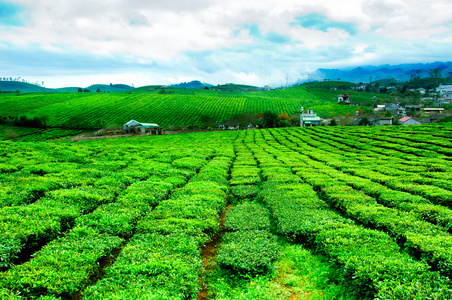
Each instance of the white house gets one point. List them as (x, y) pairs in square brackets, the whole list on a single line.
[(309, 119), (152, 128)]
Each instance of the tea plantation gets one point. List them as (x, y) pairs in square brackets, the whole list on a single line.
[(287, 213)]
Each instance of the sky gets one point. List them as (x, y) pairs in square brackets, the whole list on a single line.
[(258, 42)]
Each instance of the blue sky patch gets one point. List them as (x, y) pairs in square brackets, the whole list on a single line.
[(322, 23), (272, 36), (11, 14)]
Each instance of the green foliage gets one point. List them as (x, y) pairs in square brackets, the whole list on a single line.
[(152, 266), (245, 191), (247, 216), (63, 266), (248, 251)]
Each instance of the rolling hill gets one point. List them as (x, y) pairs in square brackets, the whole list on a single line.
[(12, 86), (23, 87), (172, 107)]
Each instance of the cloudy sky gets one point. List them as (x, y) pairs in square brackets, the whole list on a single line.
[(258, 42)]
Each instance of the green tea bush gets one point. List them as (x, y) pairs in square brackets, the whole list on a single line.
[(245, 191), (152, 266), (63, 266), (247, 216), (248, 251)]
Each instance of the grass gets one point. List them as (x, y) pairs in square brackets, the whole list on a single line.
[(299, 274)]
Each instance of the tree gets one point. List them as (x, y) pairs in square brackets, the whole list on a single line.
[(98, 90), (244, 119), (80, 90), (208, 121), (434, 72), (284, 120), (364, 122), (17, 92), (270, 119), (295, 119), (333, 122)]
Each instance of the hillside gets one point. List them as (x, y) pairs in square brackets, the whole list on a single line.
[(110, 88), (23, 87), (401, 72), (169, 107), (195, 84)]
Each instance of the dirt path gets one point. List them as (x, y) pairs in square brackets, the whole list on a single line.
[(208, 253)]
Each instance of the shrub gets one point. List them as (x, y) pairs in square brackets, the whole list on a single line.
[(248, 251)]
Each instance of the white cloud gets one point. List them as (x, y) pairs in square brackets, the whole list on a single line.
[(214, 39)]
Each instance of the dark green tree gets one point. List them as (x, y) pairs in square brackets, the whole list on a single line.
[(270, 119)]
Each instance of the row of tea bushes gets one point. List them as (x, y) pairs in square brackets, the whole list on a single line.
[(114, 191), (248, 247), (63, 266), (245, 175), (26, 227), (392, 190), (367, 259), (80, 251), (162, 260), (406, 228)]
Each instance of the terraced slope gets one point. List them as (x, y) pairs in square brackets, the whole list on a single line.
[(174, 107)]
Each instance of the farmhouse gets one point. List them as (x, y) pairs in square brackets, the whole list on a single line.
[(309, 119), (133, 126), (409, 121), (384, 121)]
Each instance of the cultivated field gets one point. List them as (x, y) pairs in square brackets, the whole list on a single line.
[(176, 107), (289, 213)]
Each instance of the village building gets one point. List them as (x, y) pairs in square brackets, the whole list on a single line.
[(409, 121), (309, 119), (134, 126), (437, 110), (385, 121), (445, 91), (414, 108), (229, 125), (422, 91)]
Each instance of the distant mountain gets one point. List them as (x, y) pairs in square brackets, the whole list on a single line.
[(195, 84), (110, 88), (12, 86), (401, 72), (23, 87)]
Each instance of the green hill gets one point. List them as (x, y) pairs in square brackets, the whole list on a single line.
[(23, 87), (236, 88), (109, 88), (68, 89), (169, 107), (429, 82)]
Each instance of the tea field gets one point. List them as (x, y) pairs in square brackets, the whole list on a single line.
[(287, 213), (175, 107)]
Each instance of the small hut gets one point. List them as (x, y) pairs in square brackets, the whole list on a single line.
[(133, 126)]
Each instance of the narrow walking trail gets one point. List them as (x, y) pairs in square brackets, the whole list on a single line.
[(208, 253)]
